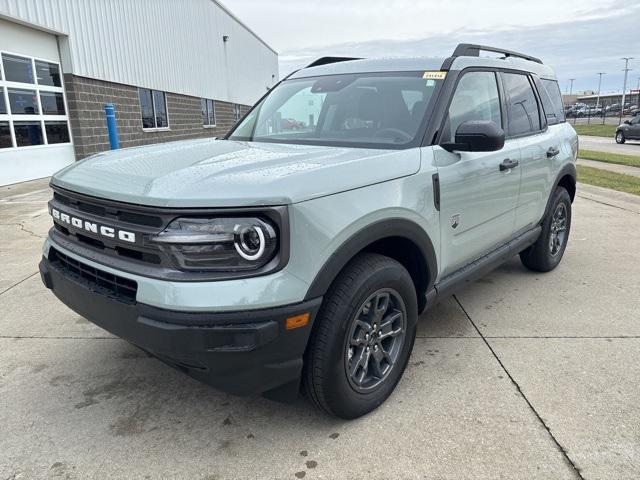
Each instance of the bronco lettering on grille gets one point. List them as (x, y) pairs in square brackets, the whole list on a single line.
[(92, 227)]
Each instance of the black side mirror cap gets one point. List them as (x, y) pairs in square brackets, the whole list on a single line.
[(477, 136), (627, 122)]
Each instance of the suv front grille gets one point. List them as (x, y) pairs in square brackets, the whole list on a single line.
[(113, 286)]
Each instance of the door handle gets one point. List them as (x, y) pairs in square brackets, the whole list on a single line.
[(508, 164), (552, 152)]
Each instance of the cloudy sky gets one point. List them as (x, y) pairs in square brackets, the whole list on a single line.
[(577, 37)]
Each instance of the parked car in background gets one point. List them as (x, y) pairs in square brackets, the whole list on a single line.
[(629, 130)]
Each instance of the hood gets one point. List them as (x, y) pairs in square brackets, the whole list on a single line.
[(224, 173)]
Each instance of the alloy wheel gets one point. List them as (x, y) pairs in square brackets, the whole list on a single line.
[(375, 339), (558, 229)]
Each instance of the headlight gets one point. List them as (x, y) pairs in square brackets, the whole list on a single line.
[(219, 244)]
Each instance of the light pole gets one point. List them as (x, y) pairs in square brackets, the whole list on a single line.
[(599, 87), (571, 86), (624, 88)]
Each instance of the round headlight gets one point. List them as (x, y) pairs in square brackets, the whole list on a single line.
[(249, 241)]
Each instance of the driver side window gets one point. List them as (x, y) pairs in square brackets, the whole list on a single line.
[(476, 98)]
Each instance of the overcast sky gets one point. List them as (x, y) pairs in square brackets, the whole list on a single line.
[(578, 38)]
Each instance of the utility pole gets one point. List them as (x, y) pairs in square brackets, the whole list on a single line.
[(624, 88), (571, 87), (599, 87)]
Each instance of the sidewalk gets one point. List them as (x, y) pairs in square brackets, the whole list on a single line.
[(612, 167)]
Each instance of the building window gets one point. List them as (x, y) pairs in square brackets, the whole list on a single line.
[(28, 133), (153, 108), (5, 135), (52, 103), (17, 69), (23, 102), (208, 112), (236, 113), (48, 74), (57, 132), (35, 112)]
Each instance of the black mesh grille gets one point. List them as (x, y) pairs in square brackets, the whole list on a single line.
[(113, 286)]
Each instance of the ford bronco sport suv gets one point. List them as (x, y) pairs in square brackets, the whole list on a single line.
[(301, 248)]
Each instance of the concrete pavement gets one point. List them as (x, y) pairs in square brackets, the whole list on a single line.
[(520, 375)]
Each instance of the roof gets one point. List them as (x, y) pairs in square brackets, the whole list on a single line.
[(374, 65), (246, 27)]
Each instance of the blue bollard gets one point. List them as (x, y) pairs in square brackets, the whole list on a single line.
[(110, 111)]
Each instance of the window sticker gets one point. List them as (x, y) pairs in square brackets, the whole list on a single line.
[(434, 75)]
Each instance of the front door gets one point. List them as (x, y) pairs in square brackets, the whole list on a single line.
[(478, 195)]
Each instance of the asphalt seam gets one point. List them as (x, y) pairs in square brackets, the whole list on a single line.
[(535, 412), (18, 283)]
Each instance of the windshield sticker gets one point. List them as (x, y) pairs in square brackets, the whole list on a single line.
[(434, 75)]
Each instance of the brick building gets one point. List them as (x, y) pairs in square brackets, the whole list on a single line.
[(173, 70)]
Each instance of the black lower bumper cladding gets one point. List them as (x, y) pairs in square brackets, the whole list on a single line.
[(245, 353)]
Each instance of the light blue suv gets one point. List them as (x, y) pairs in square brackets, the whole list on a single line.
[(301, 248)]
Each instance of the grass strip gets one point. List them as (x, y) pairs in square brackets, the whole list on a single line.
[(606, 157), (607, 179)]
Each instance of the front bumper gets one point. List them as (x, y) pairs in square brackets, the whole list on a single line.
[(244, 352)]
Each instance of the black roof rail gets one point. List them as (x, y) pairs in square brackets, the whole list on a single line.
[(473, 50), (328, 60)]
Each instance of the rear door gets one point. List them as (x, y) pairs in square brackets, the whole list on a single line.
[(527, 126), (477, 197)]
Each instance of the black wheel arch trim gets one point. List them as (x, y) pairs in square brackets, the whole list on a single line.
[(380, 230), (567, 170)]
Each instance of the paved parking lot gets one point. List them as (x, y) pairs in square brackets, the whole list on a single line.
[(520, 375), (606, 144)]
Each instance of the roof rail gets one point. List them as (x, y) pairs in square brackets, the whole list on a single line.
[(473, 50), (328, 60)]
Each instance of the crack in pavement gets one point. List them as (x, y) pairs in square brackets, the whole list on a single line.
[(18, 283), (607, 204), (562, 450), (24, 229)]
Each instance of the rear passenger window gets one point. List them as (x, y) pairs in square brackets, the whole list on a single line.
[(522, 106), (551, 101), (476, 98)]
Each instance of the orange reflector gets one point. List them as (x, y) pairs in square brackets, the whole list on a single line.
[(297, 321)]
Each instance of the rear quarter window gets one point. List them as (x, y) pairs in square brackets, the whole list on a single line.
[(551, 101)]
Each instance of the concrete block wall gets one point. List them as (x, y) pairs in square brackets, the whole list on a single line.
[(86, 98)]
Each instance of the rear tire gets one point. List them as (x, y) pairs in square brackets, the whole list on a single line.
[(546, 253), (362, 338), (620, 138)]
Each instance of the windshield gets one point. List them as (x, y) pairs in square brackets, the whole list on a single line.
[(361, 110)]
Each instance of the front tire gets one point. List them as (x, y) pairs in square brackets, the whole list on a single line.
[(363, 336), (545, 254), (620, 138)]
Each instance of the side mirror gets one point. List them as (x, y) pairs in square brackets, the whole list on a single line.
[(477, 136), (627, 122)]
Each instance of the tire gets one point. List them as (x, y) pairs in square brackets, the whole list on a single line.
[(330, 355), (620, 138), (545, 255)]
